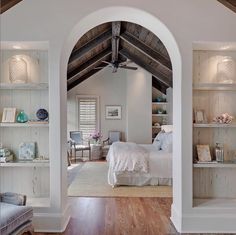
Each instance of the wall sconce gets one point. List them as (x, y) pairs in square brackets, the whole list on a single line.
[(18, 72), (226, 71)]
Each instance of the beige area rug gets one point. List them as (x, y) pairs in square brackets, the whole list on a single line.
[(91, 181)]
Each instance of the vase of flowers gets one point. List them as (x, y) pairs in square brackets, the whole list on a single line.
[(96, 137)]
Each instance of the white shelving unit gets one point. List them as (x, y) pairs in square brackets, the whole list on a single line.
[(213, 183), (159, 115), (30, 178), (28, 124)]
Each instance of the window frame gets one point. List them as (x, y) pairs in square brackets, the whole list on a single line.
[(78, 97)]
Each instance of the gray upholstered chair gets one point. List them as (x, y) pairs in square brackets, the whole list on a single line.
[(77, 143), (113, 136), (16, 217)]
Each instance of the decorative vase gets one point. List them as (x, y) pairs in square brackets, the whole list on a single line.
[(22, 117), (42, 114)]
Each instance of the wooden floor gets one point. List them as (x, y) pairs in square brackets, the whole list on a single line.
[(120, 216)]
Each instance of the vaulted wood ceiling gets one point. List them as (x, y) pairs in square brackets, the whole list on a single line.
[(119, 41), (231, 4), (7, 4)]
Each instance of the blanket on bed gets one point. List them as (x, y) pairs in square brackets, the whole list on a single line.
[(128, 157)]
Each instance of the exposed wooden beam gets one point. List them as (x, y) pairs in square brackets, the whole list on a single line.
[(76, 54), (88, 64), (84, 77), (159, 85), (148, 51), (231, 4), (7, 4), (116, 26), (165, 80)]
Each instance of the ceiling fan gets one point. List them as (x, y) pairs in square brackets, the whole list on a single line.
[(117, 64)]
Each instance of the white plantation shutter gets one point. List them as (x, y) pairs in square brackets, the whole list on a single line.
[(87, 115)]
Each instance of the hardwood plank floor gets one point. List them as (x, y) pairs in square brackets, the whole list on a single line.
[(120, 216)]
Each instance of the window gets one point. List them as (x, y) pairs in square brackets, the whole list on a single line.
[(88, 115)]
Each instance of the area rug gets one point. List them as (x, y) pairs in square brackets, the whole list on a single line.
[(91, 181)]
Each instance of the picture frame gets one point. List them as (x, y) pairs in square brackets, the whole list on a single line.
[(200, 116), (203, 153), (27, 151), (113, 112), (9, 115)]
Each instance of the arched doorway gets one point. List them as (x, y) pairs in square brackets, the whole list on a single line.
[(158, 28)]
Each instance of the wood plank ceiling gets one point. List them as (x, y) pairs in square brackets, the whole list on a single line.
[(7, 4), (231, 4), (117, 42)]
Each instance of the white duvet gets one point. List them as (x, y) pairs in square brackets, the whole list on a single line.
[(128, 157)]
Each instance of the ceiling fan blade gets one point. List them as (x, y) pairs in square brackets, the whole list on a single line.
[(128, 67)]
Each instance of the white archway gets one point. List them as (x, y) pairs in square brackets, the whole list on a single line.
[(153, 24)]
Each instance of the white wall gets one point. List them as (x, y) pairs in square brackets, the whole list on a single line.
[(111, 89), (130, 89), (32, 20), (139, 106)]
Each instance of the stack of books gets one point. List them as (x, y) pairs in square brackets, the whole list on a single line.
[(5, 155)]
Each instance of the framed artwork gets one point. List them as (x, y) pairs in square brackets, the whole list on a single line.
[(203, 153), (113, 112), (27, 151), (9, 115), (200, 116)]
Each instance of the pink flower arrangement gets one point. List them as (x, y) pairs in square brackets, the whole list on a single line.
[(96, 136), (224, 118)]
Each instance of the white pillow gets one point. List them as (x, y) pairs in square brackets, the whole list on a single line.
[(167, 128), (167, 142), (163, 141), (158, 140)]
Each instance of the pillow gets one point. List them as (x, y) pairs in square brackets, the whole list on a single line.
[(167, 128), (158, 140), (167, 142)]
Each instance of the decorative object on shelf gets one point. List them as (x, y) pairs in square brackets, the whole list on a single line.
[(224, 118), (113, 112), (203, 153), (18, 72), (27, 151), (161, 111), (22, 117), (96, 137), (42, 114), (160, 99), (156, 124), (9, 115), (226, 70), (200, 116), (5, 155), (219, 152)]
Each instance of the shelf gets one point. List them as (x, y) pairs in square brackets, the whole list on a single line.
[(38, 202), (214, 87), (160, 103), (215, 165), (25, 164), (156, 127), (215, 203), (213, 125), (23, 86), (159, 115), (27, 124)]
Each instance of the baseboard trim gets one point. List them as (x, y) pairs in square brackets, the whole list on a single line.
[(176, 218), (52, 222)]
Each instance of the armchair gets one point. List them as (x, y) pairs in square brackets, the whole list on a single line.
[(113, 136), (16, 218), (77, 143)]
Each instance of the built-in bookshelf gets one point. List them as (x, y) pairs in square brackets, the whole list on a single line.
[(213, 183), (28, 177)]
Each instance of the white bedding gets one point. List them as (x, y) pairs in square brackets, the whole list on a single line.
[(128, 157), (160, 171)]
